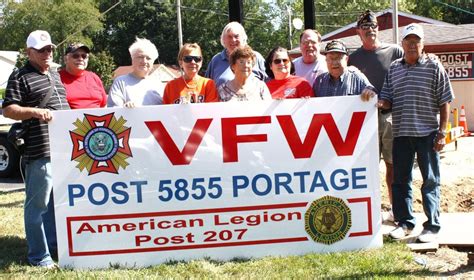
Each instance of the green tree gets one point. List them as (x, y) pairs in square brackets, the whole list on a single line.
[(103, 64), (334, 14), (153, 20), (65, 20), (454, 11), (203, 21)]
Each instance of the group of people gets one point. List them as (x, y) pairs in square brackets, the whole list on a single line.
[(412, 88)]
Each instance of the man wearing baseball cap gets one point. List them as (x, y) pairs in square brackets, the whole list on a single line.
[(28, 88), (373, 59), (84, 89), (340, 80), (416, 88)]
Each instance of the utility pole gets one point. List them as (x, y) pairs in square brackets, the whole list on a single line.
[(309, 14), (288, 9), (395, 21), (236, 11), (180, 29)]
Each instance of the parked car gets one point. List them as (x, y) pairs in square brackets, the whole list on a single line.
[(9, 156)]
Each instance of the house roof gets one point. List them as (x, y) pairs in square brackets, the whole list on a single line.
[(161, 71), (9, 56), (386, 13), (435, 34)]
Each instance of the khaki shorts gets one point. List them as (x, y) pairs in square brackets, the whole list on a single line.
[(385, 137)]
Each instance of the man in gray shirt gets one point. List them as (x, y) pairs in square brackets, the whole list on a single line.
[(373, 59)]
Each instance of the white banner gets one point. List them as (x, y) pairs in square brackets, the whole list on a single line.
[(142, 186)]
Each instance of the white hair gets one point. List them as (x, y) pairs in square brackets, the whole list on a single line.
[(238, 29), (144, 45)]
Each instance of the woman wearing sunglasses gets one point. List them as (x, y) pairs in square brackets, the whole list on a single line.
[(283, 83), (84, 88), (190, 87), (244, 86)]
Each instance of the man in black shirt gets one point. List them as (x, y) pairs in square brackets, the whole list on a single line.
[(26, 89)]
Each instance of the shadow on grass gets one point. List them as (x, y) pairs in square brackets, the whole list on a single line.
[(14, 204), (13, 251), (210, 260), (11, 204), (465, 268)]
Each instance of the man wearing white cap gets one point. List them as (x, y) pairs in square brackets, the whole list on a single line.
[(417, 88), (32, 92)]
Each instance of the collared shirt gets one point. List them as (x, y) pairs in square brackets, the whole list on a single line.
[(219, 69), (351, 82), (416, 92), (27, 87)]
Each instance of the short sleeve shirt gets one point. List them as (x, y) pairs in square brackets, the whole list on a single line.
[(416, 93)]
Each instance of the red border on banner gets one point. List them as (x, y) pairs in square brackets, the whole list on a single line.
[(368, 201), (70, 220), (72, 253)]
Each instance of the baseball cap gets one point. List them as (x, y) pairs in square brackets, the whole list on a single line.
[(39, 39), (75, 46), (335, 46), (366, 17), (413, 28)]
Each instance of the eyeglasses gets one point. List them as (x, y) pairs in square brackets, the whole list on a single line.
[(245, 61), (77, 55), (366, 26), (190, 58), (278, 61), (411, 42), (308, 42), (45, 49)]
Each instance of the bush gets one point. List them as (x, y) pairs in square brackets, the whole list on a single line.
[(103, 65)]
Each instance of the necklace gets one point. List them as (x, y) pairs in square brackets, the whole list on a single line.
[(187, 85)]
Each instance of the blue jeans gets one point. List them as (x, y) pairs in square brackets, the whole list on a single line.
[(404, 150), (40, 226)]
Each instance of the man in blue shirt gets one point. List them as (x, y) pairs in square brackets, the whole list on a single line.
[(233, 36), (340, 80)]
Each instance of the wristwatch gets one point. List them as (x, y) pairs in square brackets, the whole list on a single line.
[(443, 132)]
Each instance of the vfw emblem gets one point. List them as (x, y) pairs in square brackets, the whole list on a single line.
[(100, 143)]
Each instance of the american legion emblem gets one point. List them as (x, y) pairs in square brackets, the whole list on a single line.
[(327, 220), (100, 143)]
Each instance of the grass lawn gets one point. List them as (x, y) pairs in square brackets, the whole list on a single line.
[(393, 261)]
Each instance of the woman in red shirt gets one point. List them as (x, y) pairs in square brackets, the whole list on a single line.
[(283, 83)]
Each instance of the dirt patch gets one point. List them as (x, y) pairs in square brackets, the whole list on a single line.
[(457, 195), (457, 179), (446, 262)]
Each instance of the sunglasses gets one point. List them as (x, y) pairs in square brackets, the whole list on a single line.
[(368, 25), (189, 58), (278, 60), (45, 49), (77, 55)]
